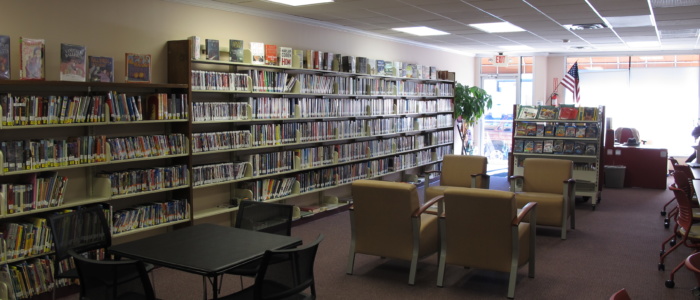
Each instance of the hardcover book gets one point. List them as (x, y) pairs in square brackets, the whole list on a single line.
[(212, 49), (286, 57), (270, 55), (568, 113), (547, 112), (235, 50), (31, 59), (101, 68), (195, 47), (389, 68), (73, 63), (527, 112), (380, 67), (138, 67), (4, 57), (590, 114), (257, 52)]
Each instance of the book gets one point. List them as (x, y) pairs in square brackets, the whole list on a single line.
[(592, 131), (195, 47), (212, 49), (380, 67), (538, 147), (31, 59), (539, 130), (568, 147), (235, 50), (580, 131), (286, 57), (527, 112), (73, 63), (558, 147), (548, 146), (549, 129), (101, 69), (589, 114), (531, 129), (547, 112), (270, 55), (590, 149), (4, 57), (518, 146), (579, 147), (529, 146), (138, 67), (389, 68), (257, 52), (568, 113), (520, 129), (560, 130)]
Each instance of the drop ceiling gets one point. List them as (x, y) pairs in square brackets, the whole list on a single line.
[(673, 24)]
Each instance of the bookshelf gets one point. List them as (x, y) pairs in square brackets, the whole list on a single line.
[(303, 135), (544, 131), (63, 160)]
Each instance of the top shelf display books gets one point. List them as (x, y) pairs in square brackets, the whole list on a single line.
[(553, 113)]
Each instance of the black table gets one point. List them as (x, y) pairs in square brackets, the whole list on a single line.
[(205, 249)]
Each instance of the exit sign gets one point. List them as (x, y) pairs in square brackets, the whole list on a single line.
[(500, 60)]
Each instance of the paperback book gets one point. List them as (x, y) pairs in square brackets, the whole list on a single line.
[(257, 51), (101, 68), (286, 57), (235, 50), (212, 49), (195, 47), (4, 57), (138, 67), (31, 59), (270, 55), (73, 63)]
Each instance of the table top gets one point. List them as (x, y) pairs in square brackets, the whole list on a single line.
[(205, 249)]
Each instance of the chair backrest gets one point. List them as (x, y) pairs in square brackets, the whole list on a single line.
[(284, 273), (266, 217), (546, 175), (683, 180), (81, 229), (382, 216), (457, 170), (468, 212), (621, 295), (622, 134), (111, 280), (685, 169), (685, 210)]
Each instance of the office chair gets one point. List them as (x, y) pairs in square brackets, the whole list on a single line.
[(112, 280), (689, 234), (483, 229), (283, 274), (620, 295)]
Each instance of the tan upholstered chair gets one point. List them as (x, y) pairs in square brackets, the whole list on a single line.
[(460, 171), (387, 221), (550, 183), (482, 229)]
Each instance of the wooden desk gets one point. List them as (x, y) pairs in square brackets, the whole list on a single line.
[(646, 167), (205, 249)]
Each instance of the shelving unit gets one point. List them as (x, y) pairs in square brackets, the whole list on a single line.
[(585, 148), (386, 132)]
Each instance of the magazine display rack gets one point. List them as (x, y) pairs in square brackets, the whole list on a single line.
[(564, 132)]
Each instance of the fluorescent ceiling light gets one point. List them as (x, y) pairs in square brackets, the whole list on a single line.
[(300, 2), (629, 21), (420, 30), (497, 27), (647, 44), (585, 26), (516, 47)]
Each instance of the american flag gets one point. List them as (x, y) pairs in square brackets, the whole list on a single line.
[(570, 81)]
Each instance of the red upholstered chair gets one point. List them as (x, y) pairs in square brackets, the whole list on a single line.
[(622, 134), (620, 295), (689, 234)]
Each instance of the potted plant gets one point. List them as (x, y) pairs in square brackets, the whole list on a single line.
[(470, 104)]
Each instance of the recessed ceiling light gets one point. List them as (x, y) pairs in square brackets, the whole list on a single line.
[(516, 47), (300, 2), (647, 44), (629, 21), (497, 27), (585, 26), (420, 30)]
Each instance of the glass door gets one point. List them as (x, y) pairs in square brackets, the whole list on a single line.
[(497, 124)]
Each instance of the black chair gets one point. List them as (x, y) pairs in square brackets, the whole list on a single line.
[(267, 217), (283, 274), (112, 279), (84, 230)]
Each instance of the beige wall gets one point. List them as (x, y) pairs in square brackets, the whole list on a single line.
[(112, 28)]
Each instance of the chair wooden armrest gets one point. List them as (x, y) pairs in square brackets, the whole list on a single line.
[(513, 177), (524, 212), (427, 205)]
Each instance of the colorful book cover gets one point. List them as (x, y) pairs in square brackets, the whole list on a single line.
[(568, 113), (560, 130), (389, 68), (590, 114), (518, 146), (590, 149), (547, 112), (568, 147), (540, 130), (549, 129), (257, 51), (570, 131), (270, 55), (520, 129), (286, 54), (4, 57), (538, 147), (212, 49), (235, 50), (73, 63), (592, 131), (138, 67), (580, 131), (101, 68), (548, 146), (380, 67), (531, 129), (195, 47), (32, 59)]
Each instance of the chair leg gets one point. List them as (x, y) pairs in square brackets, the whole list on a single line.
[(414, 266), (351, 261), (441, 268)]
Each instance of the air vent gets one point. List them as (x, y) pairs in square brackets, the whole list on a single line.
[(585, 26), (673, 3), (580, 48)]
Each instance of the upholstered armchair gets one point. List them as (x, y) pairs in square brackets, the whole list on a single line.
[(460, 171), (482, 229), (550, 183), (387, 220)]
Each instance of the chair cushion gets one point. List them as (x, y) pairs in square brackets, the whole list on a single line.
[(694, 232), (434, 191), (549, 206)]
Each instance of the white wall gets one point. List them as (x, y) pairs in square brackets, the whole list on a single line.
[(112, 28)]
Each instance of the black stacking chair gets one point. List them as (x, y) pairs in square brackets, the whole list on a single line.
[(112, 279)]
